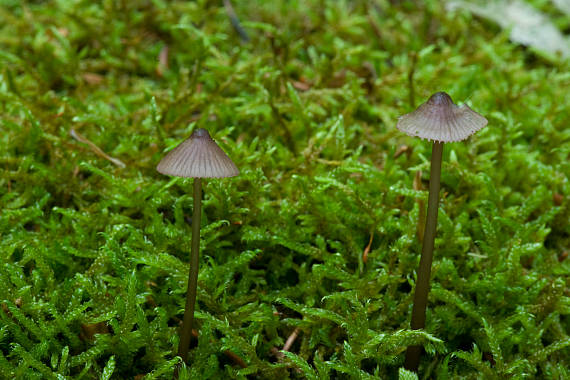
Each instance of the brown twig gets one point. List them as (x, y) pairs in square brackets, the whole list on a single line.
[(162, 64), (367, 249), (287, 346), (235, 358), (401, 150), (289, 342), (98, 151)]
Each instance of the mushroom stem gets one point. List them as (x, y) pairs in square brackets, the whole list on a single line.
[(186, 332), (422, 284)]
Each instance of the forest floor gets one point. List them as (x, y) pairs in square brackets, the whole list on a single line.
[(317, 241)]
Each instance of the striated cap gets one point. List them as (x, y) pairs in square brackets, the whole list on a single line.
[(440, 119), (198, 157)]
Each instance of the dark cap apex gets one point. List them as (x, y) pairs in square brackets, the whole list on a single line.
[(200, 133), (440, 99)]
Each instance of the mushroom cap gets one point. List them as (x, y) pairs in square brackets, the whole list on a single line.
[(439, 119), (198, 157)]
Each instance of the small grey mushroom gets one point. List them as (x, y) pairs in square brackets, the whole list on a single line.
[(197, 157), (439, 120)]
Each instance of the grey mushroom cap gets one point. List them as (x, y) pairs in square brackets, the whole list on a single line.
[(439, 119), (198, 157)]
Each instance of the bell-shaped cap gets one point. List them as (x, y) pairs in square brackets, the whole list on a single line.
[(198, 157), (439, 119)]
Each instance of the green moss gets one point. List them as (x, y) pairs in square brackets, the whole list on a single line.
[(94, 255)]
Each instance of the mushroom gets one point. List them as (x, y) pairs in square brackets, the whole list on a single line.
[(197, 157), (439, 120)]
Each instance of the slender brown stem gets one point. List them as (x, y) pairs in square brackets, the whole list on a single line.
[(186, 333), (424, 271)]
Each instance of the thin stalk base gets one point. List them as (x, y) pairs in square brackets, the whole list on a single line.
[(186, 333), (424, 271)]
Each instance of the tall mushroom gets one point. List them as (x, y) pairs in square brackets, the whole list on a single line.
[(197, 157), (439, 120)]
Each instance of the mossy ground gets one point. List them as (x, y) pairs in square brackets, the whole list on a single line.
[(318, 234)]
